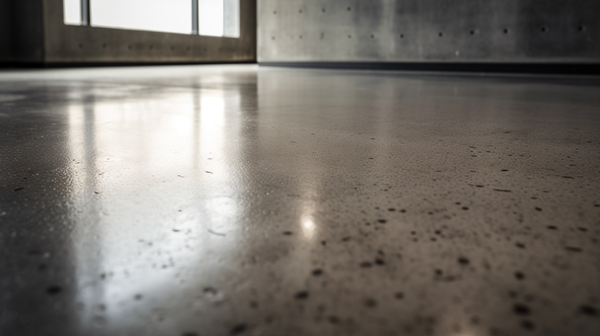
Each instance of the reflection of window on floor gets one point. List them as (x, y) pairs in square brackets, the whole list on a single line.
[(215, 17)]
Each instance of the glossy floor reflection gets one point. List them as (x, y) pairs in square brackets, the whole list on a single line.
[(218, 200)]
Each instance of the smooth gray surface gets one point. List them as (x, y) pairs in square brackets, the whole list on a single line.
[(218, 200), (520, 31)]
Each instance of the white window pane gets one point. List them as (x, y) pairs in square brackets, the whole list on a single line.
[(173, 16), (210, 17), (72, 12), (231, 18)]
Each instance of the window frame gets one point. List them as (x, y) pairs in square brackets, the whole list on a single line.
[(65, 43)]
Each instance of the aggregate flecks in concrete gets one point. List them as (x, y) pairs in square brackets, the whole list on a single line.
[(233, 200)]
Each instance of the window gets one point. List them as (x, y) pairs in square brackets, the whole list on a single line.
[(231, 18), (172, 16), (210, 17), (73, 12), (215, 17)]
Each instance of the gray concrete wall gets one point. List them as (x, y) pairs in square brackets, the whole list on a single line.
[(5, 32), (507, 31), (21, 33), (27, 30)]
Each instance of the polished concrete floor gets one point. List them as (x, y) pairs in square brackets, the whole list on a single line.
[(238, 200)]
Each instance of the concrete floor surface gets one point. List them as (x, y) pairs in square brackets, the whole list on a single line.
[(238, 200)]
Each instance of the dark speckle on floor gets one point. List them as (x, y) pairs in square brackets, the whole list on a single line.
[(53, 290), (371, 303), (521, 309), (238, 329), (333, 319), (588, 310), (528, 324), (301, 295), (573, 249)]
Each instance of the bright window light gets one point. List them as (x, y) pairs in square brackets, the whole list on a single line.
[(231, 18), (72, 12), (210, 17), (172, 16), (215, 17)]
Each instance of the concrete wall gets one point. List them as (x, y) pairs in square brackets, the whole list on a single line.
[(21, 31), (494, 31), (27, 31), (5, 32)]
